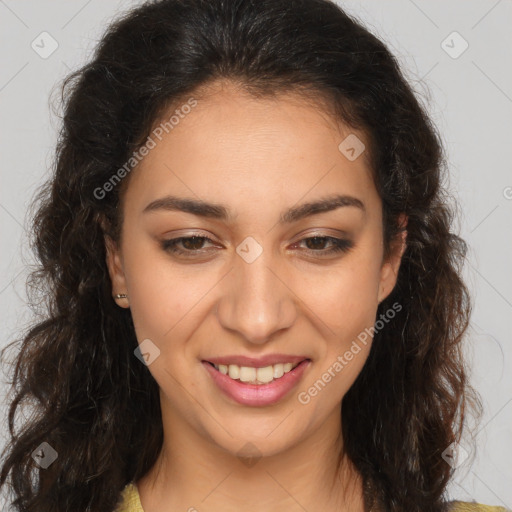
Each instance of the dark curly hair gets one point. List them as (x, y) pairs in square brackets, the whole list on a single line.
[(89, 397)]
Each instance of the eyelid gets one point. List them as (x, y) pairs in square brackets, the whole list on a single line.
[(187, 234), (339, 247), (317, 232), (323, 232)]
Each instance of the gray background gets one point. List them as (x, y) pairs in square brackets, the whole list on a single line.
[(469, 98)]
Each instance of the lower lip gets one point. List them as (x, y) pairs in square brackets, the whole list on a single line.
[(258, 394)]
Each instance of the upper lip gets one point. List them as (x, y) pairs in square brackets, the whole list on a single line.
[(256, 362)]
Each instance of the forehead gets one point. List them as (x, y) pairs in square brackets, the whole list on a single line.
[(270, 148)]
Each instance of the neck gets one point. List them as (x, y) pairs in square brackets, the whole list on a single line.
[(194, 472)]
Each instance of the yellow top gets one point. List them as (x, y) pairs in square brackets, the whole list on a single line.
[(131, 503)]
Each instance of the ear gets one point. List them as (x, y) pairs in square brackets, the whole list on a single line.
[(115, 270), (389, 270)]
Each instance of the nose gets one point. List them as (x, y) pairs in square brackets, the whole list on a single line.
[(257, 301)]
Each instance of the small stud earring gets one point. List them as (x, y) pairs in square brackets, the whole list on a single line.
[(120, 296)]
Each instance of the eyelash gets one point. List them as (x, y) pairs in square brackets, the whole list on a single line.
[(339, 245)]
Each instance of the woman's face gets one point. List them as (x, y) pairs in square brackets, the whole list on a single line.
[(261, 285)]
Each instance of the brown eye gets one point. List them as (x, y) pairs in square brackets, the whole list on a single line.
[(193, 243), (316, 245), (189, 245), (316, 242)]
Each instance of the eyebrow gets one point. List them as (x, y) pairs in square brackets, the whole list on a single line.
[(220, 212)]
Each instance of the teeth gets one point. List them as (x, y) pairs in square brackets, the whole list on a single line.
[(265, 374), (255, 375), (278, 371), (234, 371), (246, 374)]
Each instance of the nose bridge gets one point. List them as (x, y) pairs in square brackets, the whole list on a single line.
[(255, 303)]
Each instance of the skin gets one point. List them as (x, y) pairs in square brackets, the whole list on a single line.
[(257, 157)]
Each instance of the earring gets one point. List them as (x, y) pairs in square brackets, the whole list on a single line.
[(120, 296)]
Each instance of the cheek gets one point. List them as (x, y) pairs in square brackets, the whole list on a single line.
[(163, 298), (166, 297), (346, 302), (344, 297)]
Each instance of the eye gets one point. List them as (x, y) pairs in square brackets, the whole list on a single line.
[(190, 246), (185, 245), (318, 243)]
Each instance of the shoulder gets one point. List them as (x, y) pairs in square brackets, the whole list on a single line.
[(466, 506), (129, 500)]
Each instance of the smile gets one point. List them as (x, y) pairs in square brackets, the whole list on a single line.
[(253, 375), (256, 386)]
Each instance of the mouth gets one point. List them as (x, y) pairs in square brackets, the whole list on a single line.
[(256, 375), (257, 386)]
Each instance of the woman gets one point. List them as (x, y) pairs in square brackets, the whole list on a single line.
[(255, 299)]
